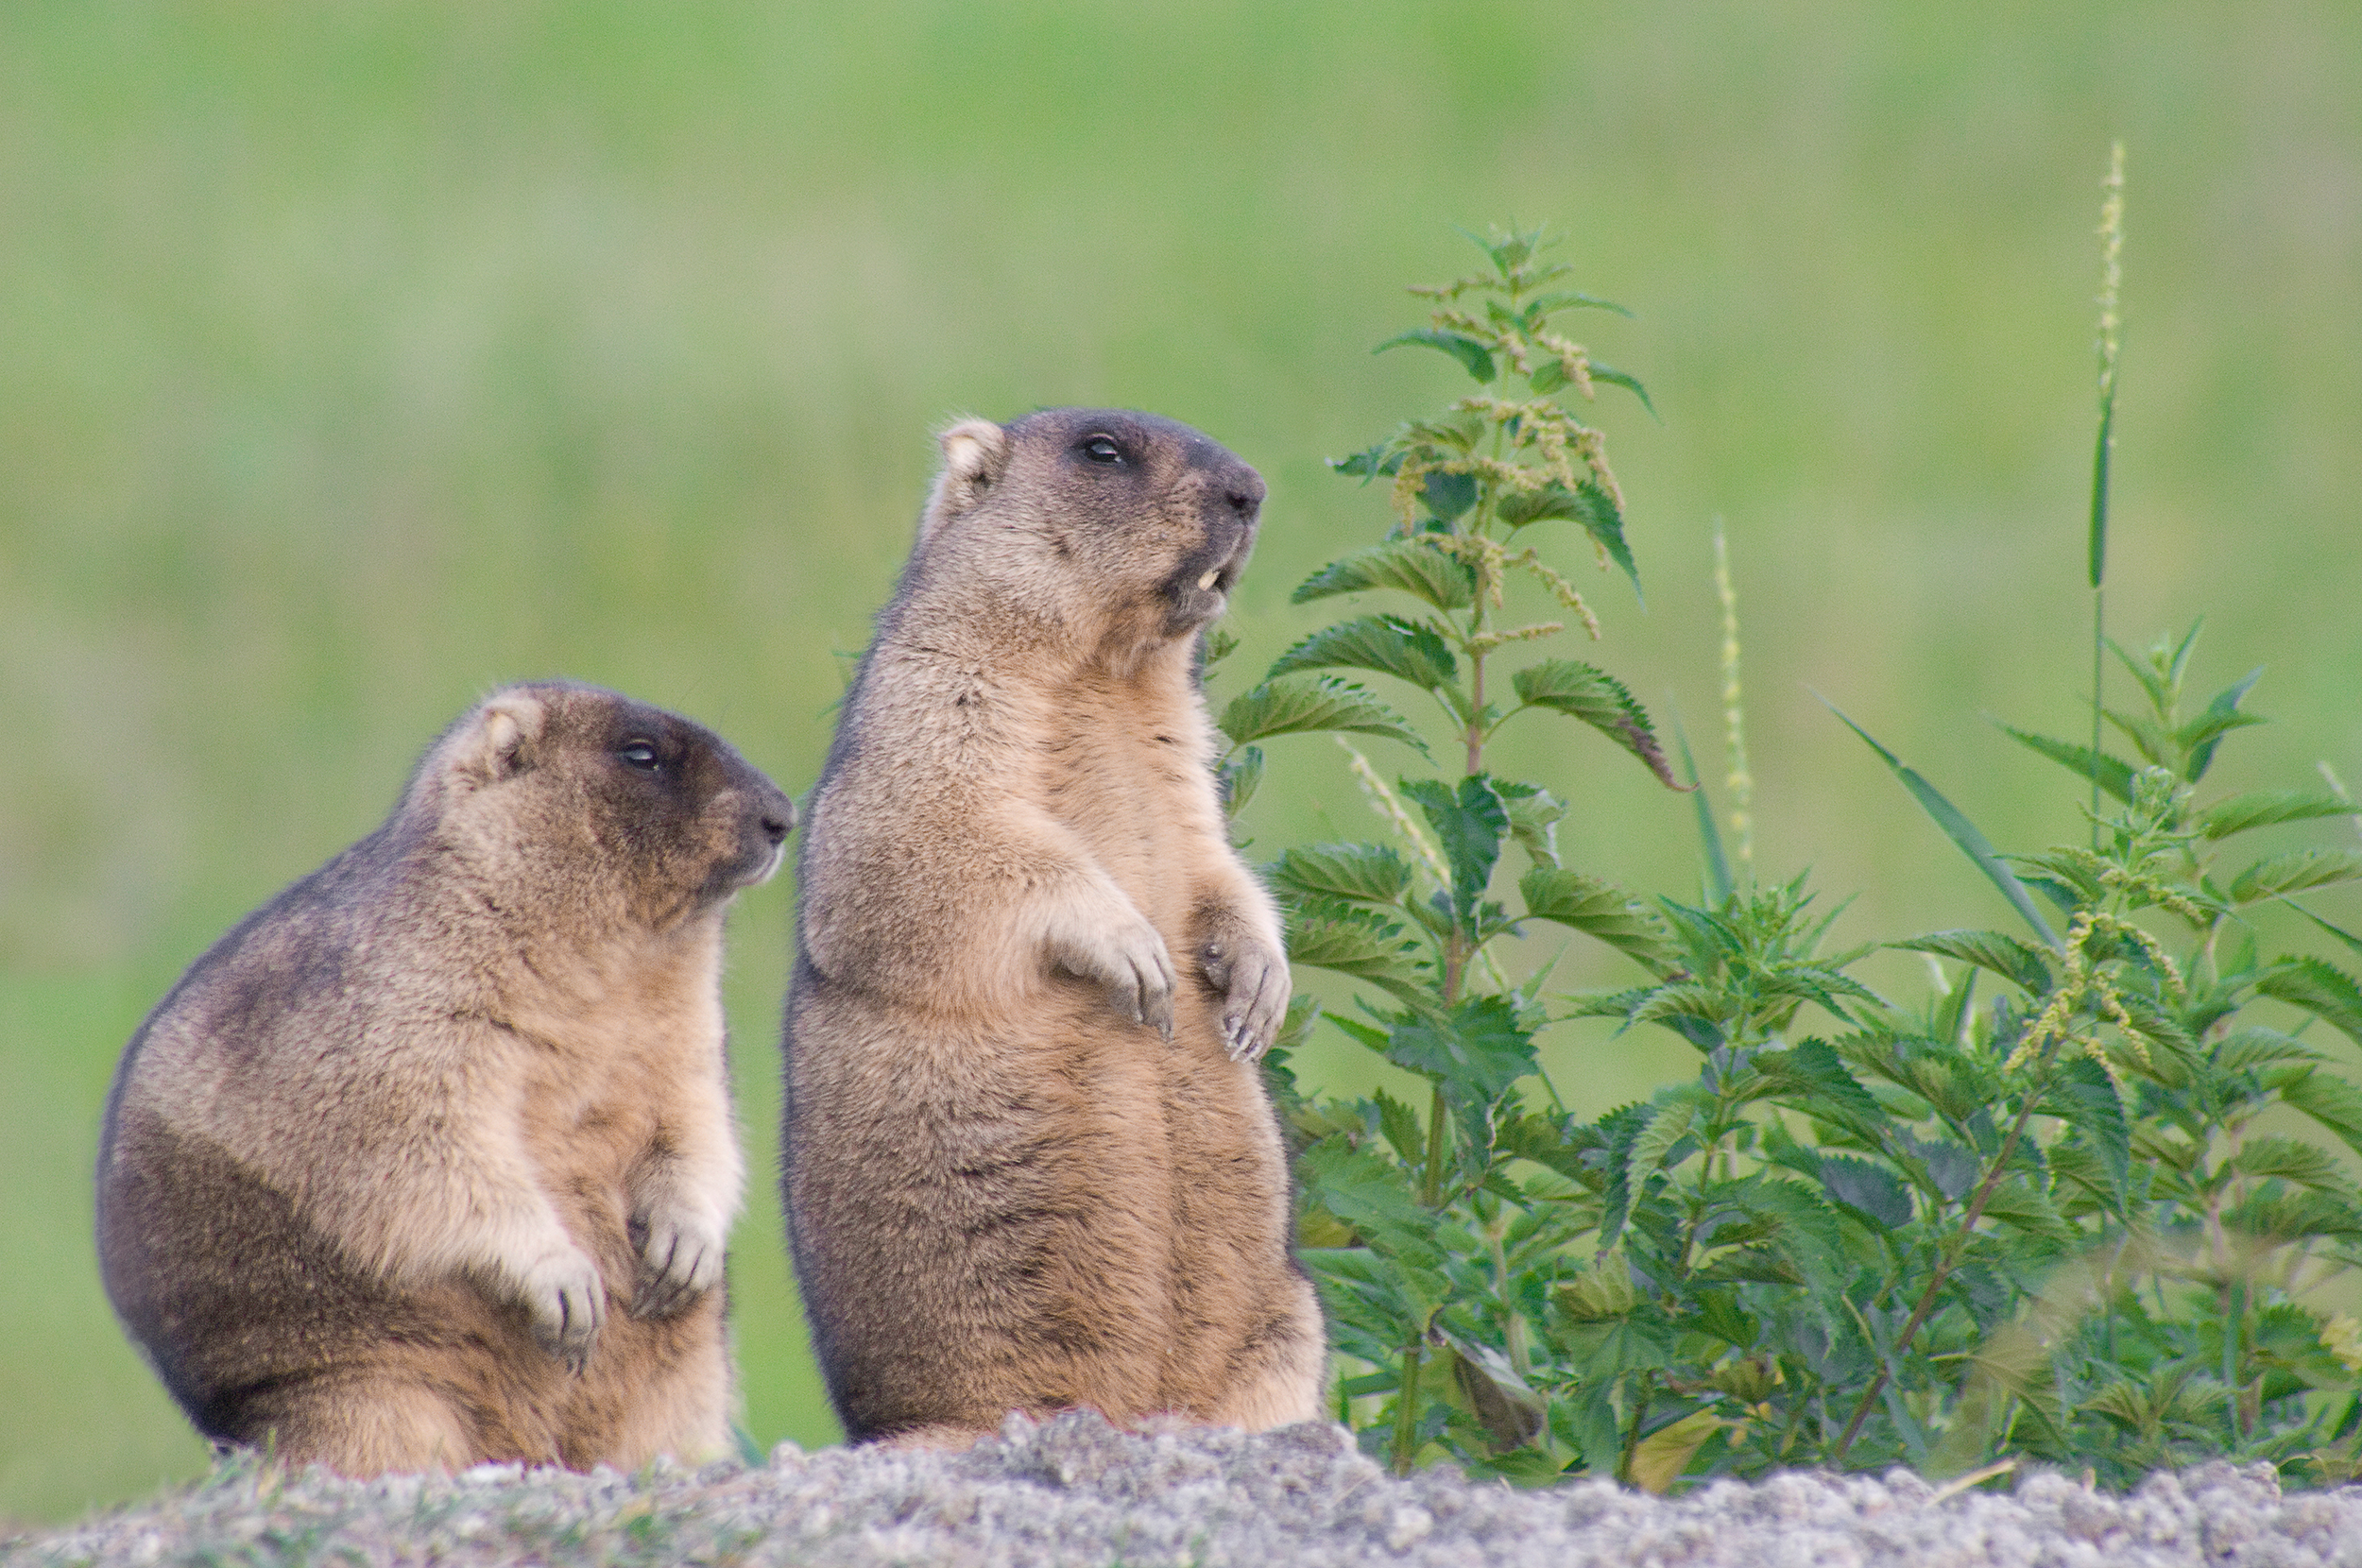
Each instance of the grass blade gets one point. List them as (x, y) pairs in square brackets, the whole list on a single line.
[(1957, 827)]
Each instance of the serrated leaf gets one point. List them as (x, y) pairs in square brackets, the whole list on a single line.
[(2294, 872), (1544, 305), (2328, 1100), (1618, 378), (2014, 961), (1599, 910), (2290, 1160), (1589, 504), (2245, 1050), (2264, 808), (1400, 1124), (1871, 1188), (1408, 650), (2019, 1205), (1297, 704), (1353, 941), (2320, 988), (1370, 464), (1238, 777), (1598, 700), (2085, 1096), (1474, 357), (2111, 774), (1962, 832), (1814, 1069), (1477, 1052), (1533, 818), (1448, 495), (1470, 825), (1677, 1111), (1805, 1229), (1412, 566), (1368, 873), (2199, 737)]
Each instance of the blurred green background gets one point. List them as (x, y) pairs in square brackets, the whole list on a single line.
[(355, 358)]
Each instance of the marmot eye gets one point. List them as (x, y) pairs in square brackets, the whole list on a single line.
[(638, 754), (1103, 449)]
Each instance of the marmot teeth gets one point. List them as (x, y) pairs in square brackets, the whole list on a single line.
[(1208, 581)]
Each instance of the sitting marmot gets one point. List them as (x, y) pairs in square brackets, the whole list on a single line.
[(1030, 1160), (375, 1170)]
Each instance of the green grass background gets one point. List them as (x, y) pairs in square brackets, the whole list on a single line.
[(354, 358)]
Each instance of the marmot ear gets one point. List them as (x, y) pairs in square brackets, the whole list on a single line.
[(975, 453), (506, 728)]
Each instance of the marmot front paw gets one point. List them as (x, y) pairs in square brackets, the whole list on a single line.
[(680, 1259), (568, 1300), (1129, 958), (1254, 981)]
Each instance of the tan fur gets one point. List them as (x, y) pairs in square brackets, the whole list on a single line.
[(430, 1161), (1029, 1161)]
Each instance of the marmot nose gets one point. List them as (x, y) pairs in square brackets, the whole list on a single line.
[(1244, 491), (775, 824)]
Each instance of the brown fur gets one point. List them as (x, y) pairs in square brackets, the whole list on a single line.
[(1030, 1161), (429, 1162)]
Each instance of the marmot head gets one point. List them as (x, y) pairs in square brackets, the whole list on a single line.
[(1123, 526), (575, 807)]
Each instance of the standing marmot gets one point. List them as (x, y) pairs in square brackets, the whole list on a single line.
[(1029, 1161), (375, 1170)]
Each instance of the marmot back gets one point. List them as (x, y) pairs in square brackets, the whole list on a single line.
[(1029, 1159), (376, 1170)]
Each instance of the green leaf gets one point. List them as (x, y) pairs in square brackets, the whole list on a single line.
[(1474, 357), (2109, 773), (2245, 1050), (1411, 565), (1599, 910), (1469, 827), (1294, 704), (2294, 872), (1238, 777), (2085, 1096), (2021, 1206), (2320, 988), (1598, 700), (1677, 1112), (2201, 734), (1368, 873), (1408, 650), (1400, 1124), (1545, 305), (1477, 1053), (2328, 1100), (2006, 956), (1365, 466), (1589, 504), (1533, 817), (1354, 942), (1812, 1070), (1618, 378), (2290, 1160), (1448, 495), (1962, 832), (2264, 808), (1874, 1189), (1803, 1229)]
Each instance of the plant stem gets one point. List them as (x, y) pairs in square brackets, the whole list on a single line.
[(1943, 1272), (1632, 1439), (1407, 1410)]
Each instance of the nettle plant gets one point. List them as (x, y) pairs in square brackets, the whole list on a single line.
[(2068, 1223)]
